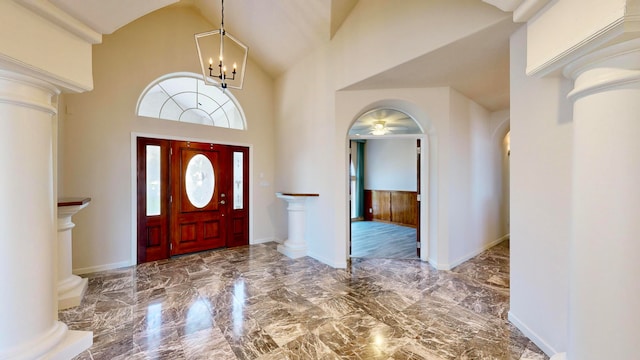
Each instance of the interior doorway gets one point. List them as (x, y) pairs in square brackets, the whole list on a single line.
[(385, 185), (191, 197)]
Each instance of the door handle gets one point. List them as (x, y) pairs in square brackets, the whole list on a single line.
[(222, 202)]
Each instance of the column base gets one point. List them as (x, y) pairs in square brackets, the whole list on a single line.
[(71, 292), (74, 343), (57, 344), (291, 252)]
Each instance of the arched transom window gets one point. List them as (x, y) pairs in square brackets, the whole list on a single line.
[(185, 97)]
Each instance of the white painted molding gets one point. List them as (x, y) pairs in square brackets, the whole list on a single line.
[(625, 24), (505, 5), (528, 9), (14, 65), (621, 64), (532, 335), (264, 240), (56, 16), (33, 93), (333, 264), (98, 268)]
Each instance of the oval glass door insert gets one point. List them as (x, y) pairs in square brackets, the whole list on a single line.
[(199, 181)]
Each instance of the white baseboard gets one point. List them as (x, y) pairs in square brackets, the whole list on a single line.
[(333, 264), (543, 345), (475, 253), (92, 269), (263, 240), (105, 267)]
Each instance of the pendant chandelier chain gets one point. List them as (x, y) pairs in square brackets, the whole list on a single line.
[(222, 18)]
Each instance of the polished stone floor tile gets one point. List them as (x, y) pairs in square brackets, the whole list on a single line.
[(254, 303)]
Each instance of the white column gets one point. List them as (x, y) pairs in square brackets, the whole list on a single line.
[(28, 306), (604, 314), (71, 288), (295, 246)]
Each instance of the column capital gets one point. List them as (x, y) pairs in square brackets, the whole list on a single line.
[(609, 68), (25, 91)]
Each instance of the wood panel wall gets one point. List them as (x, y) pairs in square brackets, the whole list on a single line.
[(398, 207)]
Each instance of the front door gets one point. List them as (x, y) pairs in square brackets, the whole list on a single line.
[(202, 192), (199, 188)]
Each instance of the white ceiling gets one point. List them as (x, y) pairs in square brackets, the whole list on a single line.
[(281, 32), (477, 66), (107, 16)]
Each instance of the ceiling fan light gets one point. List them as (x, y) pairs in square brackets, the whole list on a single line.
[(379, 128)]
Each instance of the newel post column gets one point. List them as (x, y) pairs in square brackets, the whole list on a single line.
[(604, 315), (295, 246), (71, 288)]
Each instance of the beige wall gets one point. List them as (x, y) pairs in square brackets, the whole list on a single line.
[(390, 164), (98, 127), (474, 168), (312, 127), (541, 165)]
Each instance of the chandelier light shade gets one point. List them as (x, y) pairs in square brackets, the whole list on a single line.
[(223, 58)]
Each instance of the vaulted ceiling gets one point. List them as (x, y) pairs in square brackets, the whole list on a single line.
[(281, 32)]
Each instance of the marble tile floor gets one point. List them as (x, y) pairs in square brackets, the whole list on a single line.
[(373, 239), (254, 303)]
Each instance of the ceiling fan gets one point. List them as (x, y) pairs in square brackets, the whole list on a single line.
[(380, 127)]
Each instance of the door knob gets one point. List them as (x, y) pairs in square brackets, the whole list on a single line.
[(222, 202)]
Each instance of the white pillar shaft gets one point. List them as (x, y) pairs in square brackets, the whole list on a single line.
[(604, 313), (27, 212), (29, 328), (296, 224), (64, 251)]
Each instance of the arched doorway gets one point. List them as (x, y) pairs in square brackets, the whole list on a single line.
[(386, 150)]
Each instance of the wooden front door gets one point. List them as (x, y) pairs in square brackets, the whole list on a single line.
[(199, 188), (203, 196)]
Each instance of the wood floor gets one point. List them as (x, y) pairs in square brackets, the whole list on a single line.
[(372, 239)]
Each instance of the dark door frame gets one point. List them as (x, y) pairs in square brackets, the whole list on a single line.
[(133, 184)]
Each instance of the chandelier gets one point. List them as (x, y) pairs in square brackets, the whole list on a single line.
[(226, 49)]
